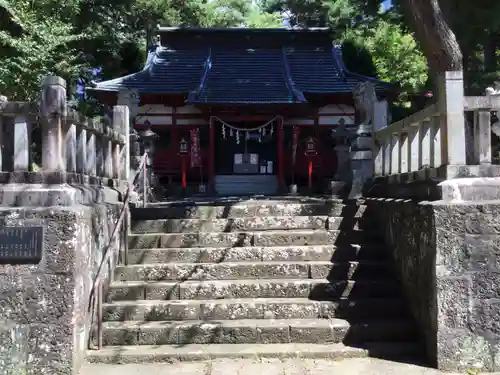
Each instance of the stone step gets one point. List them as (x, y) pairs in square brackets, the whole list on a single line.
[(259, 238), (252, 308), (320, 290), (247, 208), (255, 331), (203, 352), (254, 223), (352, 270), (249, 253)]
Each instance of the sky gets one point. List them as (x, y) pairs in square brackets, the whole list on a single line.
[(386, 5)]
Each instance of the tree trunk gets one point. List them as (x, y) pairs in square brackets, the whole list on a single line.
[(437, 40)]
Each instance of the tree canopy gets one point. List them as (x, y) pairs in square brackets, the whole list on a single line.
[(69, 37)]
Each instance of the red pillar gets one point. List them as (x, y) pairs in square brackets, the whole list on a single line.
[(309, 174), (211, 158), (281, 164), (183, 168)]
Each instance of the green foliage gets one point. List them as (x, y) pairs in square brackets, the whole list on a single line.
[(65, 37), (395, 54), (46, 46)]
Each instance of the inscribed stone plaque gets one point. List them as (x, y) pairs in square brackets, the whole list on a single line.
[(21, 244)]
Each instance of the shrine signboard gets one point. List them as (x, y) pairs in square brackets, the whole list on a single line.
[(21, 244)]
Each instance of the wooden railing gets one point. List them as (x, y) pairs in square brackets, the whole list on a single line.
[(68, 142), (435, 137)]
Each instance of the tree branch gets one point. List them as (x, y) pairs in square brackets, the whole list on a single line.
[(437, 40)]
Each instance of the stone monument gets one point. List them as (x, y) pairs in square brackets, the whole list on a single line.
[(361, 155)]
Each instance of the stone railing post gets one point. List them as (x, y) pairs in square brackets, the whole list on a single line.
[(91, 155), (121, 121), (482, 137), (21, 143), (53, 109), (70, 146), (452, 120), (149, 137), (108, 157), (99, 141), (81, 152)]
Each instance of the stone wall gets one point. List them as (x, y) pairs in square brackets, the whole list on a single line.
[(44, 308), (448, 258)]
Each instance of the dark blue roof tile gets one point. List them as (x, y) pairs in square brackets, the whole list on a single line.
[(167, 71), (241, 75), (246, 76)]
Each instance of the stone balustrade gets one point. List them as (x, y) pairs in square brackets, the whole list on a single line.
[(436, 200), (74, 148), (433, 144)]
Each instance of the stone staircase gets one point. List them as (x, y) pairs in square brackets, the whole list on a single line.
[(268, 278)]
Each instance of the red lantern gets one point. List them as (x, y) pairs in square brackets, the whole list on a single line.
[(183, 147)]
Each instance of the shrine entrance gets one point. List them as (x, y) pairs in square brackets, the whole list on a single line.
[(245, 158), (245, 148)]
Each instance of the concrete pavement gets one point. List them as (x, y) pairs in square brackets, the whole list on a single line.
[(295, 366)]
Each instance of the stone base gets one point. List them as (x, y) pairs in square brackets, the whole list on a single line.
[(447, 255), (471, 189), (49, 301), (446, 172), (41, 195)]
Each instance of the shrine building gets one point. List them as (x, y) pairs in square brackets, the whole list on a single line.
[(241, 111)]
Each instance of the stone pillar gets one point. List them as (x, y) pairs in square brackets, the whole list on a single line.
[(452, 121), (99, 150), (53, 110), (361, 154), (149, 137), (130, 99), (21, 144), (91, 155), (70, 147), (342, 151), (81, 152), (108, 158), (121, 123)]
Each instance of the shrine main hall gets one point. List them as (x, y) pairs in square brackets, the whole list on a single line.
[(242, 111)]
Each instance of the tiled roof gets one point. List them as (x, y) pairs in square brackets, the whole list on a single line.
[(166, 71), (246, 76), (322, 70), (235, 74)]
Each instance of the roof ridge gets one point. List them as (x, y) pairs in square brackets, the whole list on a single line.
[(193, 95), (299, 95)]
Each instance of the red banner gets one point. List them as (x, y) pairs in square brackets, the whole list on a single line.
[(195, 148)]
